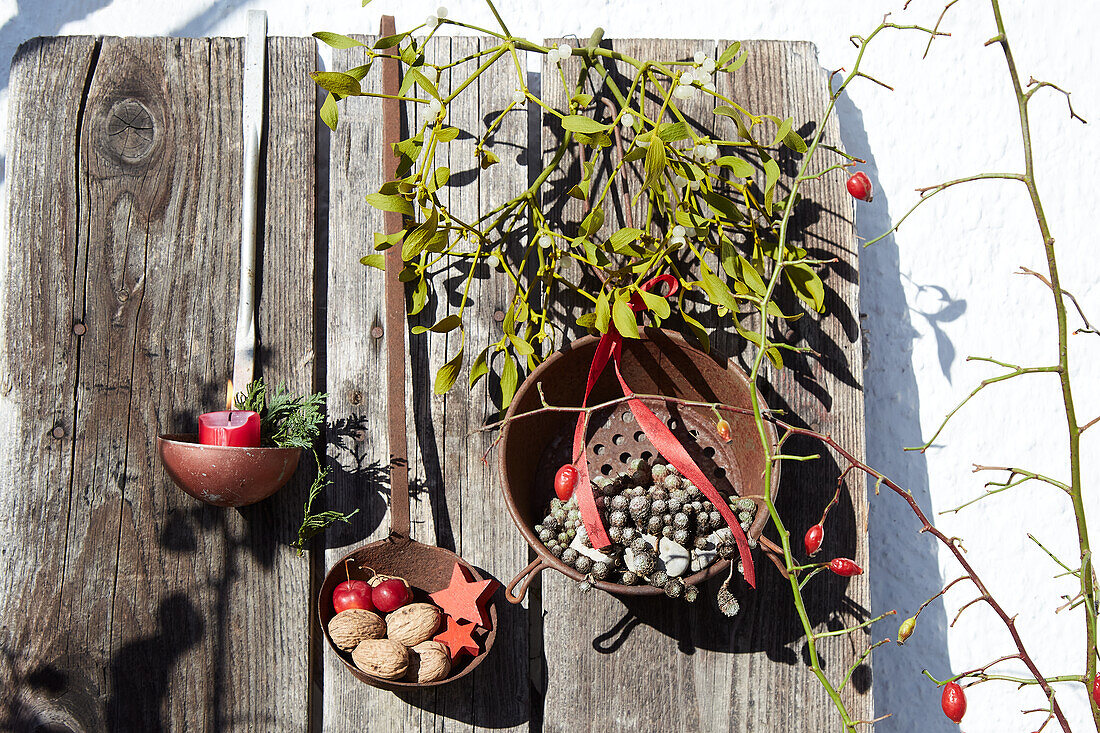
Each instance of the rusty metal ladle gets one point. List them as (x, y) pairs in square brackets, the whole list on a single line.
[(426, 568)]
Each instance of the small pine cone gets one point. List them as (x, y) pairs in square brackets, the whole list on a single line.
[(691, 593), (672, 482), (615, 534), (694, 492), (563, 537), (617, 519), (659, 579), (600, 481), (556, 550), (707, 506), (701, 542), (715, 518), (658, 506), (659, 471), (747, 505), (674, 588), (726, 550), (583, 564), (600, 570), (696, 506), (752, 543), (674, 505), (681, 521), (666, 531), (645, 564), (545, 535), (555, 503), (619, 502), (569, 556), (629, 534), (639, 546), (658, 494), (744, 517), (681, 537), (629, 578), (551, 523), (702, 522), (653, 526), (639, 507), (674, 471), (637, 464), (727, 603)]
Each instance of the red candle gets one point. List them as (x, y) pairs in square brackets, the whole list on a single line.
[(240, 428)]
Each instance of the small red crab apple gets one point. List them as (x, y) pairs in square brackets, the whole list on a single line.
[(953, 702), (1096, 689), (859, 185)]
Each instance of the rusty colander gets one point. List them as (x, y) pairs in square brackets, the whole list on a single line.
[(662, 362)]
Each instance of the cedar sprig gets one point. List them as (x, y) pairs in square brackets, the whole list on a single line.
[(285, 421), (313, 524)]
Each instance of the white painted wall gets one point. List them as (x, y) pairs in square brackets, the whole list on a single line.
[(940, 290)]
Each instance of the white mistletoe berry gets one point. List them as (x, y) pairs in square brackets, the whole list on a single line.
[(700, 56)]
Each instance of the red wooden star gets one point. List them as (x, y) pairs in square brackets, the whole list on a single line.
[(459, 638), (466, 598)]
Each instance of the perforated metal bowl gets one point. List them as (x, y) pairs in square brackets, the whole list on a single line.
[(533, 448)]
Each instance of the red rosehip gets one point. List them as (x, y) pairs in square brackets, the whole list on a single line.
[(390, 595), (565, 481), (953, 702), (814, 536), (352, 594), (844, 567), (725, 432), (859, 185), (1096, 689)]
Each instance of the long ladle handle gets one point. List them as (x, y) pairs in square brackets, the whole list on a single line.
[(395, 301)]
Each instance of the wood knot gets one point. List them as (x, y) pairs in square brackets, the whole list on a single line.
[(131, 130)]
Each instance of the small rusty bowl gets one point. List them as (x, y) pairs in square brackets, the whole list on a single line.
[(532, 450), (427, 569), (226, 475)]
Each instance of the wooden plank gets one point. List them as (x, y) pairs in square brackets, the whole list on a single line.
[(39, 364), (454, 502), (695, 669), (162, 611)]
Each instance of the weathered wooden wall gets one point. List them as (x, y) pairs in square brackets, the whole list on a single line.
[(126, 605)]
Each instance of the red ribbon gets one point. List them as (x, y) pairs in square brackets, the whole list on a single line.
[(609, 348)]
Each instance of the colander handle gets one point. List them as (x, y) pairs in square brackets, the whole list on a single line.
[(526, 576)]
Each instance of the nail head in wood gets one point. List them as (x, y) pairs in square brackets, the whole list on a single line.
[(377, 332), (498, 316), (79, 328), (58, 432)]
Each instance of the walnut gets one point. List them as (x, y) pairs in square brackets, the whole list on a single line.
[(413, 623), (352, 626), (383, 658), (428, 661)]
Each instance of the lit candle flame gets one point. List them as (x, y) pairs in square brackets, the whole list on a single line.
[(229, 395)]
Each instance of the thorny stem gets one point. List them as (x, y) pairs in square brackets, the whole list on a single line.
[(1088, 589)]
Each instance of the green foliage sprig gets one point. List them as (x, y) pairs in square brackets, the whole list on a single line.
[(711, 216), (285, 421), (294, 422)]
